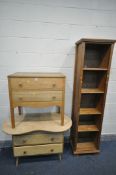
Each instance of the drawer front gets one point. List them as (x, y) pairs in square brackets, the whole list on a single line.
[(38, 149), (37, 96), (37, 138), (37, 83)]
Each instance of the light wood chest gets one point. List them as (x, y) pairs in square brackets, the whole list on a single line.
[(36, 90), (38, 143)]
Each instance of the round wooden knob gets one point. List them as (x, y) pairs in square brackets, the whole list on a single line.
[(24, 152), (20, 85), (52, 139), (20, 98), (54, 98), (54, 85), (24, 141), (52, 150)]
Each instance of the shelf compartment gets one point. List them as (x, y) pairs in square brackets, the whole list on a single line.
[(95, 55), (87, 147), (89, 111), (91, 91), (87, 142), (91, 100), (94, 79), (87, 128), (89, 119)]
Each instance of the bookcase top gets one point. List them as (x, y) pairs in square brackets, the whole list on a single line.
[(93, 40)]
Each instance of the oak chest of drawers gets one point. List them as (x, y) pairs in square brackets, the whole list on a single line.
[(36, 90), (37, 134), (38, 143)]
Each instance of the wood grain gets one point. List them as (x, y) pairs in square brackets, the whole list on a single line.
[(36, 74), (37, 83), (37, 96), (37, 138), (50, 122), (86, 128), (38, 150), (92, 66), (37, 104), (89, 111), (91, 91), (88, 147), (94, 69), (36, 90)]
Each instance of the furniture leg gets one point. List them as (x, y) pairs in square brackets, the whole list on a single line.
[(12, 117), (62, 115), (60, 156), (17, 161), (20, 109)]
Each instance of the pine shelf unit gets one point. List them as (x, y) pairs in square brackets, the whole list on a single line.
[(91, 75)]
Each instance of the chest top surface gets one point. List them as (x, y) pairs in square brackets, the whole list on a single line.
[(36, 74)]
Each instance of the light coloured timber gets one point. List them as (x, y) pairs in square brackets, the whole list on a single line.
[(50, 122), (89, 111), (37, 74), (86, 147), (36, 90), (83, 128), (36, 104), (37, 83), (38, 150), (94, 69), (37, 96), (37, 138), (91, 91)]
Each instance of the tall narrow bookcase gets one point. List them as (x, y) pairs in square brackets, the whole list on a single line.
[(92, 67)]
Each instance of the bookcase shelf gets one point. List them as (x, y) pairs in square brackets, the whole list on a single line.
[(89, 111), (92, 67), (91, 91), (83, 128), (88, 147)]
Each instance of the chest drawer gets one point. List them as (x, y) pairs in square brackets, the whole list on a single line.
[(29, 96), (37, 138), (38, 149), (37, 83)]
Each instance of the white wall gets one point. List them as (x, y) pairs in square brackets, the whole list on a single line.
[(39, 35)]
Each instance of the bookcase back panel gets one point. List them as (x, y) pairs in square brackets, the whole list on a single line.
[(94, 79), (90, 100), (88, 119), (96, 55), (87, 137)]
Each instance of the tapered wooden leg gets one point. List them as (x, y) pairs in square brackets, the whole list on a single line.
[(60, 156), (58, 109), (12, 117), (62, 115), (17, 161), (20, 109)]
